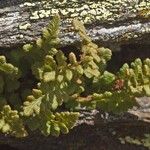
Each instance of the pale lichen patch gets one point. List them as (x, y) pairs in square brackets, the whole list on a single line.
[(111, 10), (24, 26)]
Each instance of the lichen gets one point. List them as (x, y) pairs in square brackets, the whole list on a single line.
[(24, 26), (88, 11), (143, 141)]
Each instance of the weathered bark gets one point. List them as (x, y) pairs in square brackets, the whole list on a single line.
[(110, 22)]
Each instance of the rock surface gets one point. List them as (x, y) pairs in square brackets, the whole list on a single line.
[(94, 131), (113, 22)]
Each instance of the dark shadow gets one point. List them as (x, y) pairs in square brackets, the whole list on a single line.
[(6, 147), (128, 54)]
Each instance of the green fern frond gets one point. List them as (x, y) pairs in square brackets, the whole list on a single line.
[(137, 77), (130, 82), (116, 102), (53, 124), (48, 40), (58, 82), (10, 122), (33, 102), (9, 75), (7, 67), (52, 30), (93, 58)]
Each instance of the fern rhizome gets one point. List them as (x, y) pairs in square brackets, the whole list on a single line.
[(40, 78)]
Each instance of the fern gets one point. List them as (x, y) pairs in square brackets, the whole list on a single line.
[(44, 45), (136, 78), (129, 83), (42, 82), (53, 124), (9, 76), (10, 122), (64, 80), (57, 80)]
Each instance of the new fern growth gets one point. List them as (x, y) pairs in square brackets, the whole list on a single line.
[(60, 85)]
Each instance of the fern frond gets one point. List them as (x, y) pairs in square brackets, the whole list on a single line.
[(137, 77), (9, 75), (53, 124), (33, 102), (119, 95), (7, 67), (11, 123)]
